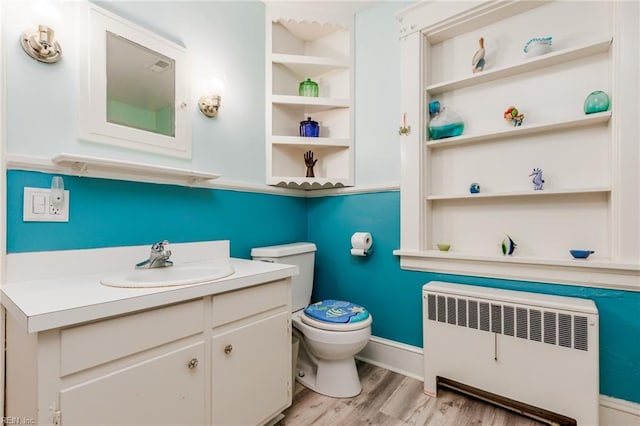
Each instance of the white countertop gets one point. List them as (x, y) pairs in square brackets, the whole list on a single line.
[(63, 299)]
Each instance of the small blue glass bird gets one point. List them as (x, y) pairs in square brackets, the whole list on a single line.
[(508, 246)]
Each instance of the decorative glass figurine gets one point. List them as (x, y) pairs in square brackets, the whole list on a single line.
[(477, 62), (444, 123), (597, 101), (309, 128), (537, 179), (512, 115), (308, 88), (508, 246)]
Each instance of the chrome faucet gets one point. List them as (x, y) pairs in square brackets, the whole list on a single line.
[(159, 258)]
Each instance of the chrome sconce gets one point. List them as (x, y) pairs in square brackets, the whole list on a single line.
[(209, 104), (41, 45)]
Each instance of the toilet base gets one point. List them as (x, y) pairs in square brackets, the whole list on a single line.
[(337, 379)]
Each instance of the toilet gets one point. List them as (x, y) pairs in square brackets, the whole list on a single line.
[(330, 332)]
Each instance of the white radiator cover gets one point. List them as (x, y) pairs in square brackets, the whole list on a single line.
[(538, 349)]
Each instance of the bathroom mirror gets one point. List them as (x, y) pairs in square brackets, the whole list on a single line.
[(134, 88)]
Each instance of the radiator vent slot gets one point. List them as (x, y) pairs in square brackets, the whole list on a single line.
[(550, 327), (553, 328), (523, 324), (442, 314), (564, 330), (484, 316), (473, 314), (580, 336), (451, 310), (462, 313), (509, 320), (431, 305), (535, 325)]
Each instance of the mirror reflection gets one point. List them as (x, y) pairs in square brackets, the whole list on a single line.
[(140, 87)]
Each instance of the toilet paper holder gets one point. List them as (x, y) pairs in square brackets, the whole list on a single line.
[(361, 244)]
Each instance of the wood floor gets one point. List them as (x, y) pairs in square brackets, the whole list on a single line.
[(389, 398)]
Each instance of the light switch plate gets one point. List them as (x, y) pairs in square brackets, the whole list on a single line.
[(50, 213)]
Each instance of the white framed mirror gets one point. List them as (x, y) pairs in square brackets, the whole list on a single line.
[(134, 87)]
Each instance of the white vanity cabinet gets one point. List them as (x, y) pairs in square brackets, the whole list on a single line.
[(251, 354), (220, 359), (589, 200)]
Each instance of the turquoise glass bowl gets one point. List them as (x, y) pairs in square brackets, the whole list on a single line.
[(581, 254), (597, 101)]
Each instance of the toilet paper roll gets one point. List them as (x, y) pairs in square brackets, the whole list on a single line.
[(361, 243)]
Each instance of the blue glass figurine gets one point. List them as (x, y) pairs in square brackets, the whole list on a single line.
[(537, 179), (508, 246), (474, 188)]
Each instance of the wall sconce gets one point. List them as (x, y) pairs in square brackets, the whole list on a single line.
[(41, 45), (209, 104)]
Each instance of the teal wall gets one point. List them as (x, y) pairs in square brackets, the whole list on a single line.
[(107, 213), (111, 213), (393, 296)]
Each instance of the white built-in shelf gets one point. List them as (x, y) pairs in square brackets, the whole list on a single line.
[(311, 104), (536, 63), (82, 165), (311, 142), (531, 193), (592, 262), (526, 129), (310, 65)]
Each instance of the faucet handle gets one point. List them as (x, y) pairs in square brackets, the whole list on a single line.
[(159, 246)]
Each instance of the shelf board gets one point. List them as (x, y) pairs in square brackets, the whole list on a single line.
[(311, 104), (310, 66), (569, 261), (579, 122), (310, 142), (535, 63), (593, 272), (86, 165), (531, 193)]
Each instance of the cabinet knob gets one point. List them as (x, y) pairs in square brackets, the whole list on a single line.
[(193, 363), (228, 349)]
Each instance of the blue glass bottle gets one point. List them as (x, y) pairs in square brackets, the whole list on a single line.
[(444, 123)]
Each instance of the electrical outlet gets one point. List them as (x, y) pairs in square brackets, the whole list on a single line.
[(37, 206)]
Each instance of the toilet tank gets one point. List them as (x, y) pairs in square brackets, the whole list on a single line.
[(300, 254)]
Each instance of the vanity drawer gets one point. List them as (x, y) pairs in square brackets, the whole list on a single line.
[(88, 345), (239, 304)]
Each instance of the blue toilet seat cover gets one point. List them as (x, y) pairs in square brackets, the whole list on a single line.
[(336, 311)]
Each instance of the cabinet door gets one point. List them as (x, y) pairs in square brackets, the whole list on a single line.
[(251, 372), (164, 390)]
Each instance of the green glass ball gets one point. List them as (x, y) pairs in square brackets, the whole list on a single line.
[(597, 101)]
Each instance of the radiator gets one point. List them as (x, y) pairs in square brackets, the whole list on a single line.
[(537, 349)]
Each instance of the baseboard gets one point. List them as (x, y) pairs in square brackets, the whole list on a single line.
[(397, 357), (407, 360)]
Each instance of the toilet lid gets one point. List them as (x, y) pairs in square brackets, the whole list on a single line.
[(337, 312)]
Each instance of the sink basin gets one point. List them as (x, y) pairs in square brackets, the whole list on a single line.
[(182, 274)]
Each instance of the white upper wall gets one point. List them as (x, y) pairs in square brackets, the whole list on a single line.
[(222, 38)]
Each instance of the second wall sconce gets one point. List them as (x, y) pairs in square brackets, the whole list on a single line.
[(41, 45), (210, 103)]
